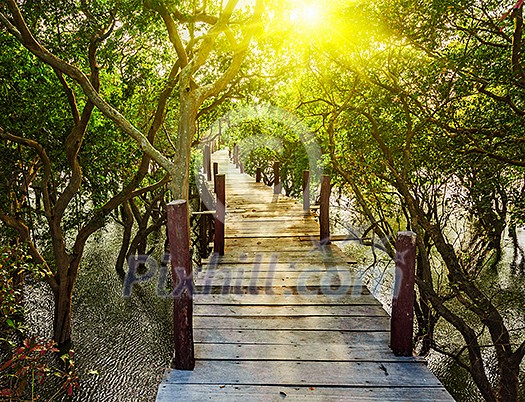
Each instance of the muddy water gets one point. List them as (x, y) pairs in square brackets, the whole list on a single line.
[(378, 274), (122, 344)]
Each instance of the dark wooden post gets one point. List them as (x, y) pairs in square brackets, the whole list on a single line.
[(215, 173), (204, 160), (236, 155), (258, 175), (277, 187), (179, 239), (306, 190), (207, 160), (241, 166), (220, 215), (219, 136), (324, 210), (402, 321), (203, 227)]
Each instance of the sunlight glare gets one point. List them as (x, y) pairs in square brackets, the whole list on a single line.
[(307, 15)]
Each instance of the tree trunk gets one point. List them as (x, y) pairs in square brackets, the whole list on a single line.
[(180, 183), (127, 219), (508, 382), (62, 318)]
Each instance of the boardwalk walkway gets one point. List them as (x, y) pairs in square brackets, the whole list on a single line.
[(279, 317)]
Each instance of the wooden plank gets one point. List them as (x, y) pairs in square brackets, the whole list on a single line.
[(313, 374), (243, 393), (266, 299), (298, 352), (231, 234), (256, 219), (272, 229), (296, 285), (370, 340), (285, 323), (329, 279), (299, 258), (291, 311), (304, 265), (231, 288)]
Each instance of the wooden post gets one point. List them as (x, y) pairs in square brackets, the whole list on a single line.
[(402, 321), (277, 187), (241, 166), (220, 215), (219, 135), (215, 173), (203, 227), (207, 160), (258, 175), (236, 155), (324, 210), (179, 239), (306, 190)]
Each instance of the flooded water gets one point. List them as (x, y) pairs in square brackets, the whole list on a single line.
[(123, 344), (378, 274)]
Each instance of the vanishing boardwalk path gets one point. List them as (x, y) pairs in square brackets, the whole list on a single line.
[(274, 321)]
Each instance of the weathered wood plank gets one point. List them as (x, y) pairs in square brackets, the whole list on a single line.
[(231, 288), (363, 340), (299, 258), (298, 352), (243, 393), (330, 279), (313, 374), (288, 299), (290, 311), (291, 323)]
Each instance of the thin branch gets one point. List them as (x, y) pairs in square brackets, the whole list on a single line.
[(74, 73)]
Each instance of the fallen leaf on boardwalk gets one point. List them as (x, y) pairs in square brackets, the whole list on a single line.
[(312, 388), (222, 386)]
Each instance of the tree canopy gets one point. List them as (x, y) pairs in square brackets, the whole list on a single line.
[(416, 110)]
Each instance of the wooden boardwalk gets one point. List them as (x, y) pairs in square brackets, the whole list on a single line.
[(280, 317)]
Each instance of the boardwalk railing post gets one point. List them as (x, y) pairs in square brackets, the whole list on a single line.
[(179, 239), (215, 173), (241, 167), (220, 215), (277, 187), (402, 321), (207, 161), (236, 155), (306, 190), (204, 161), (258, 175), (324, 210)]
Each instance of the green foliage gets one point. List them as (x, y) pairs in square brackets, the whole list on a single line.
[(15, 269), (263, 141)]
